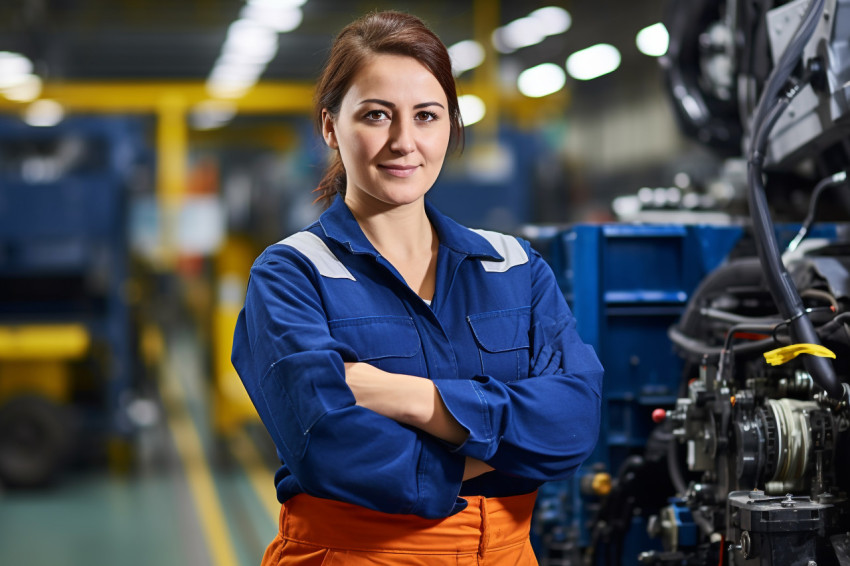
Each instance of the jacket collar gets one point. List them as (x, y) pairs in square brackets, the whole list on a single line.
[(339, 225)]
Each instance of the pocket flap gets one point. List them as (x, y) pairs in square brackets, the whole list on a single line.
[(501, 331), (378, 337)]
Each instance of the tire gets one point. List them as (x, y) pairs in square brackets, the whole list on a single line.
[(35, 437)]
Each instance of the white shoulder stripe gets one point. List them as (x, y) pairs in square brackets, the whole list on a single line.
[(508, 247), (314, 249)]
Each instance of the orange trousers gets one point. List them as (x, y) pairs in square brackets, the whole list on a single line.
[(319, 532)]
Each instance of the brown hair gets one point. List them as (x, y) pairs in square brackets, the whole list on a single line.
[(389, 32)]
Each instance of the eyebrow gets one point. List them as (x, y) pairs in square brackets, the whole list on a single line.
[(389, 104)]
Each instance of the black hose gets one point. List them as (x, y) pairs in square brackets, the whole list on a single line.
[(834, 324), (779, 281), (700, 350), (739, 272), (831, 181), (727, 316)]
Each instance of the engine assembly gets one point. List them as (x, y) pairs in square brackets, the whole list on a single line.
[(759, 454), (757, 445)]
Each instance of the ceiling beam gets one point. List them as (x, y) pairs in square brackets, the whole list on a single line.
[(143, 97)]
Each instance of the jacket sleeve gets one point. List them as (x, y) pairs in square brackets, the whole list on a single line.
[(543, 427), (293, 371)]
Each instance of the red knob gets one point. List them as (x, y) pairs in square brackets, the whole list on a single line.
[(658, 415)]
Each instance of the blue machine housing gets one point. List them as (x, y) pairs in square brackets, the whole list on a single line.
[(63, 242), (626, 285)]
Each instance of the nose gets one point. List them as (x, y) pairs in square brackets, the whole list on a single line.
[(401, 138)]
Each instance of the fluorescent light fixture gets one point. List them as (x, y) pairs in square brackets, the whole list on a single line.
[(222, 88), (232, 77), (593, 62), (275, 15), (236, 70), (541, 80), (466, 55), (250, 41), (653, 40), (44, 113), (523, 32), (211, 114), (553, 19), (14, 69), (27, 90), (278, 4), (532, 29), (472, 109), (223, 83)]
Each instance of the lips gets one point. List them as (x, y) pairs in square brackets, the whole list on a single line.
[(399, 170)]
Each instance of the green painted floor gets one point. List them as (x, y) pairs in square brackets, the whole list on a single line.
[(160, 513)]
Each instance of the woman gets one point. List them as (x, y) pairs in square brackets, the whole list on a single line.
[(420, 379)]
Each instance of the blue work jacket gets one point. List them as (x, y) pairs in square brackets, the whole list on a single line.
[(498, 341)]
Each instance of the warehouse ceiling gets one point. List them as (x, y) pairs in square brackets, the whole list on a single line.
[(83, 40)]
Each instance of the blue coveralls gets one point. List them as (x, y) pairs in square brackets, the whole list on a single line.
[(498, 341)]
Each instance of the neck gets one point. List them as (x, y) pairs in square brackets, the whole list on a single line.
[(397, 232)]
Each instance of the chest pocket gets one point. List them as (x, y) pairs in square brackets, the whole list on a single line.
[(502, 340), (390, 343)]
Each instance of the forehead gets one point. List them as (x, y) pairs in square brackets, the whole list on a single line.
[(395, 78)]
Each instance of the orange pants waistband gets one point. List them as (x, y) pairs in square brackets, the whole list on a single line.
[(488, 523)]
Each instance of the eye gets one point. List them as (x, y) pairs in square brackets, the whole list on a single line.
[(426, 116), (376, 115)]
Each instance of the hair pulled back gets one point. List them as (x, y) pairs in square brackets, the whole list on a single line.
[(391, 33)]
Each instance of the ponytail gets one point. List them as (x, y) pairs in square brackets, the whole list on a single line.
[(332, 184)]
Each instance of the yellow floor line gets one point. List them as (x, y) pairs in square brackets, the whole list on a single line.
[(198, 473), (260, 476)]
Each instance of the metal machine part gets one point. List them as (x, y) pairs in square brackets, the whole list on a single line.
[(778, 530), (765, 449), (757, 455)]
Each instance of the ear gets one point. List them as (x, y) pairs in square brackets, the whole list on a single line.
[(328, 131)]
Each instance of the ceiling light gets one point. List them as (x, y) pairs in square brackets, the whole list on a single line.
[(225, 88), (211, 114), (14, 68), (553, 19), (541, 80), (44, 113), (237, 70), (466, 55), (522, 33), (249, 40), (278, 4), (275, 15), (653, 40), (27, 90), (593, 62), (472, 109), (498, 41)]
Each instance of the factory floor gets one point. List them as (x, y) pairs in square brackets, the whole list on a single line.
[(188, 499)]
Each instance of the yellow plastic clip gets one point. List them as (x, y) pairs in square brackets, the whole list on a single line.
[(781, 355)]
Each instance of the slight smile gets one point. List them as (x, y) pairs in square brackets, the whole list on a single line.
[(399, 170)]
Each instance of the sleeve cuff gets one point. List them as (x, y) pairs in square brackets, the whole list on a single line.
[(468, 405), (440, 477)]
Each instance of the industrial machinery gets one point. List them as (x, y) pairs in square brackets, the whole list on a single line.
[(750, 463), (67, 353)]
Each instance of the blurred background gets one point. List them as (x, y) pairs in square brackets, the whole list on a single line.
[(150, 149)]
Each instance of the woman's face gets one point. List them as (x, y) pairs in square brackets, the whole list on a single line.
[(392, 132)]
